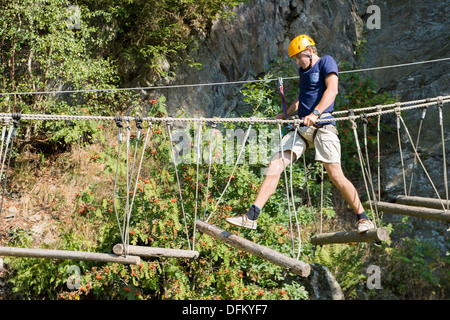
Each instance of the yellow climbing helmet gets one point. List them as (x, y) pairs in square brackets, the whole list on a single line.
[(299, 44)]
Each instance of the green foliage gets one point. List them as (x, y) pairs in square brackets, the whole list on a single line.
[(414, 269), (158, 35), (346, 263), (41, 51), (259, 96)]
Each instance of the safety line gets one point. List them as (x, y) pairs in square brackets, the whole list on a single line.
[(207, 84)]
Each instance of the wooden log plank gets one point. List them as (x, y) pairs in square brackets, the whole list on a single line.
[(380, 234), (143, 251), (67, 255), (425, 213), (293, 265), (422, 202)]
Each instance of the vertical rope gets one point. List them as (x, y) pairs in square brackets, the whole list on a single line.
[(119, 124), (286, 183), (199, 139), (310, 207), (179, 184), (369, 173), (127, 197), (12, 134), (321, 196), (397, 112), (232, 172), (293, 199), (421, 163), (361, 162), (138, 172), (379, 154), (424, 112), (4, 130), (444, 160), (8, 139), (211, 144)]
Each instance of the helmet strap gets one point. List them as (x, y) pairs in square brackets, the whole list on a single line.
[(310, 62)]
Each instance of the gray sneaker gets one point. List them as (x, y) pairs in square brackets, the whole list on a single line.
[(242, 221), (364, 225)]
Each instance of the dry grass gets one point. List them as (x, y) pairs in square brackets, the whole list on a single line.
[(44, 191)]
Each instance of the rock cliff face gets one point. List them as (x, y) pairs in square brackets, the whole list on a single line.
[(413, 31)]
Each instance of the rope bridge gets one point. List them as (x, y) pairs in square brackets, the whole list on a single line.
[(125, 253)]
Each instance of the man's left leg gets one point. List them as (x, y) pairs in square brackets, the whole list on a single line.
[(350, 194)]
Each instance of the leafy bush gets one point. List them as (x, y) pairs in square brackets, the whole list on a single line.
[(42, 51), (157, 35), (413, 269)]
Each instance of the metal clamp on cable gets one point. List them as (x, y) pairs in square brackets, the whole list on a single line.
[(398, 109), (297, 121), (364, 119), (351, 116), (119, 124), (280, 83), (118, 120), (138, 121), (15, 121), (440, 104)]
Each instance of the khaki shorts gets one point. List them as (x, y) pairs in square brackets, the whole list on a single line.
[(326, 143)]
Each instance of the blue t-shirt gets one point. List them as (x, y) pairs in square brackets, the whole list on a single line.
[(312, 86)]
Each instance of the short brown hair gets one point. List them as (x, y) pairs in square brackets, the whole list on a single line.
[(313, 48)]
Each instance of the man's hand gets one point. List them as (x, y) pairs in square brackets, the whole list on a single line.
[(280, 116), (310, 120)]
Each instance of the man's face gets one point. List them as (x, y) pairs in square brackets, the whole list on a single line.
[(302, 58)]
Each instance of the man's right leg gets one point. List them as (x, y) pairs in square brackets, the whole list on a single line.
[(276, 166)]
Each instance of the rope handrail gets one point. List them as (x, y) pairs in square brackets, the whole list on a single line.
[(399, 105)]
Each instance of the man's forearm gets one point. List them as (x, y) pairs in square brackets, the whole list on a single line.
[(292, 108)]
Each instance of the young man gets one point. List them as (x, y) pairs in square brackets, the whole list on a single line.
[(318, 89)]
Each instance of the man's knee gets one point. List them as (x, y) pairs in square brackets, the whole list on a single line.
[(279, 163), (335, 174), (275, 168)]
